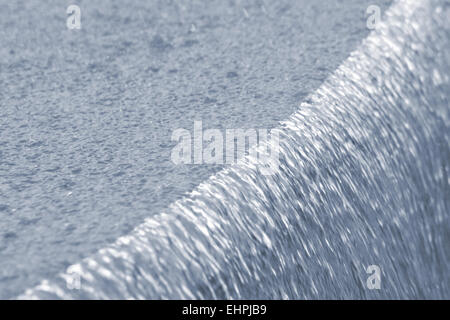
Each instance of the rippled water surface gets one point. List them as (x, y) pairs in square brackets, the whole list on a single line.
[(86, 116), (363, 180)]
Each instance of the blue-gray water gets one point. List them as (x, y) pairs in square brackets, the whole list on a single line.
[(86, 116), (363, 180)]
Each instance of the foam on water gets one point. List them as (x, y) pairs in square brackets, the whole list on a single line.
[(363, 180)]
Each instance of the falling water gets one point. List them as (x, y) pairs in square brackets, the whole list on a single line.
[(363, 180)]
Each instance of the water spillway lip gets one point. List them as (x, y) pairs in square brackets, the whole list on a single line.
[(167, 255)]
